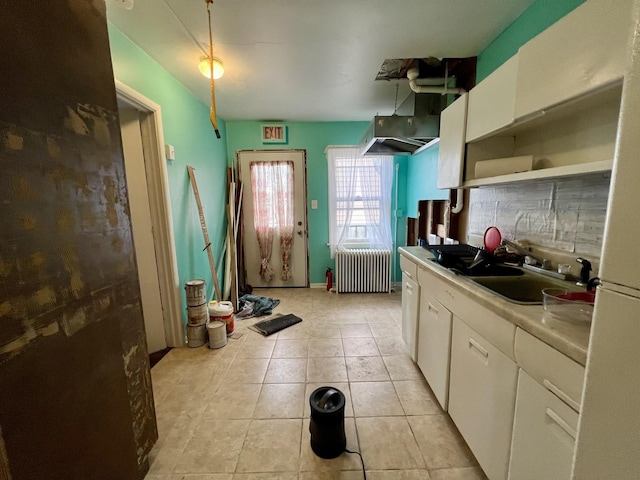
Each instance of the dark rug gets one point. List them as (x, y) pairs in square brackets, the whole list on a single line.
[(273, 325)]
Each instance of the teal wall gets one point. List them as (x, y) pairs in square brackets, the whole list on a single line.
[(534, 20), (187, 127), (422, 169), (313, 137), (422, 175)]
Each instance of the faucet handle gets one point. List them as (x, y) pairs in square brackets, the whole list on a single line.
[(593, 283), (584, 271)]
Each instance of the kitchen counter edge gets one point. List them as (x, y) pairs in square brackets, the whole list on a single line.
[(568, 338)]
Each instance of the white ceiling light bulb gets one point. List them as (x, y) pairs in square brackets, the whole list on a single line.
[(205, 67)]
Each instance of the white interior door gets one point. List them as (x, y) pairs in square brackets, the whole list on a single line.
[(298, 262), (142, 229)]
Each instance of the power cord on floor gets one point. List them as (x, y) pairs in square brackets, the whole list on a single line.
[(364, 473)]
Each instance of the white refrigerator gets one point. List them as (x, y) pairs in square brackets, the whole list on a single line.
[(608, 441)]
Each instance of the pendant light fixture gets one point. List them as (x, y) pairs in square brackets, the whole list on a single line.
[(205, 67)]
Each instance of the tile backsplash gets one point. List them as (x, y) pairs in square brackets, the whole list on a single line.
[(565, 214)]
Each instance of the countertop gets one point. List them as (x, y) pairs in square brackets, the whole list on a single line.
[(571, 339)]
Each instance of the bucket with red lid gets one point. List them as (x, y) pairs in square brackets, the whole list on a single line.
[(223, 312)]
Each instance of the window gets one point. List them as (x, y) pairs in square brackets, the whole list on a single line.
[(359, 199)]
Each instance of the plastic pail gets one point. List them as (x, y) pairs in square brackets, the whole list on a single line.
[(223, 311)]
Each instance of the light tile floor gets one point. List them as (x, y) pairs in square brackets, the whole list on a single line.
[(242, 412)]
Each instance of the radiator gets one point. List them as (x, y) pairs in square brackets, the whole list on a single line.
[(363, 271)]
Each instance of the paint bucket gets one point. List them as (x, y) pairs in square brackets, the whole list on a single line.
[(196, 335), (196, 292), (223, 311), (212, 306), (217, 334), (198, 314)]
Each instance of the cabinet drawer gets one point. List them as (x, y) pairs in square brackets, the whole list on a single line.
[(482, 395), (434, 346), (409, 268), (544, 433), (555, 371)]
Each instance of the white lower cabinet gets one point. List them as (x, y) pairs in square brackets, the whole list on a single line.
[(544, 434), (410, 306), (434, 346), (482, 394)]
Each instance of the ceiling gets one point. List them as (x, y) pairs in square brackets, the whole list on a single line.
[(307, 60)]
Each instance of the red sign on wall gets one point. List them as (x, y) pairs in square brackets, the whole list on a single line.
[(274, 133)]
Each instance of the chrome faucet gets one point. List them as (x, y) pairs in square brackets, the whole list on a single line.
[(529, 259), (585, 272)]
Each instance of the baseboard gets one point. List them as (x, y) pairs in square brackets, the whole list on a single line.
[(395, 286)]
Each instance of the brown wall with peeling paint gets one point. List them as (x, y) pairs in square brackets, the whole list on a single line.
[(75, 399)]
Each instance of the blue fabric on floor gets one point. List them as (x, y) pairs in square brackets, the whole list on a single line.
[(261, 305)]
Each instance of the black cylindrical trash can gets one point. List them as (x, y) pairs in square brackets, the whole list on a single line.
[(327, 422)]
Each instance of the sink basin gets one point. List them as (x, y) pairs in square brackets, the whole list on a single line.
[(495, 271), (524, 289)]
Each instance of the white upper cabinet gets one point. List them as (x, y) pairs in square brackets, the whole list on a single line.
[(582, 52), (491, 102), (453, 122)]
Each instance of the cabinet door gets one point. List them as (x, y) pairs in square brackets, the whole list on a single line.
[(482, 395), (491, 102), (434, 346), (453, 121), (544, 432), (581, 52), (410, 305)]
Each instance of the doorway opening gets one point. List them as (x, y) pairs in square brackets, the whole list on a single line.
[(152, 222)]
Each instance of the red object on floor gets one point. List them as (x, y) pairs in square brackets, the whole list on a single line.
[(329, 279)]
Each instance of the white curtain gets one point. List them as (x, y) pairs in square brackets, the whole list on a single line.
[(272, 185), (359, 199)]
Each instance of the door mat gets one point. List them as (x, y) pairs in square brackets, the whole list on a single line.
[(273, 325)]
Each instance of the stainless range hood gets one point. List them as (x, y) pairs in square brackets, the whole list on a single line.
[(407, 133)]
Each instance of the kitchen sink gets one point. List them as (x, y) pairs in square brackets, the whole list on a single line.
[(495, 271), (524, 289)]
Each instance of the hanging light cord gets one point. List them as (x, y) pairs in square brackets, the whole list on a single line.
[(212, 115), (195, 41), (364, 472), (209, 2)]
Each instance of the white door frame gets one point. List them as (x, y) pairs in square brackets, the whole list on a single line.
[(161, 217)]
